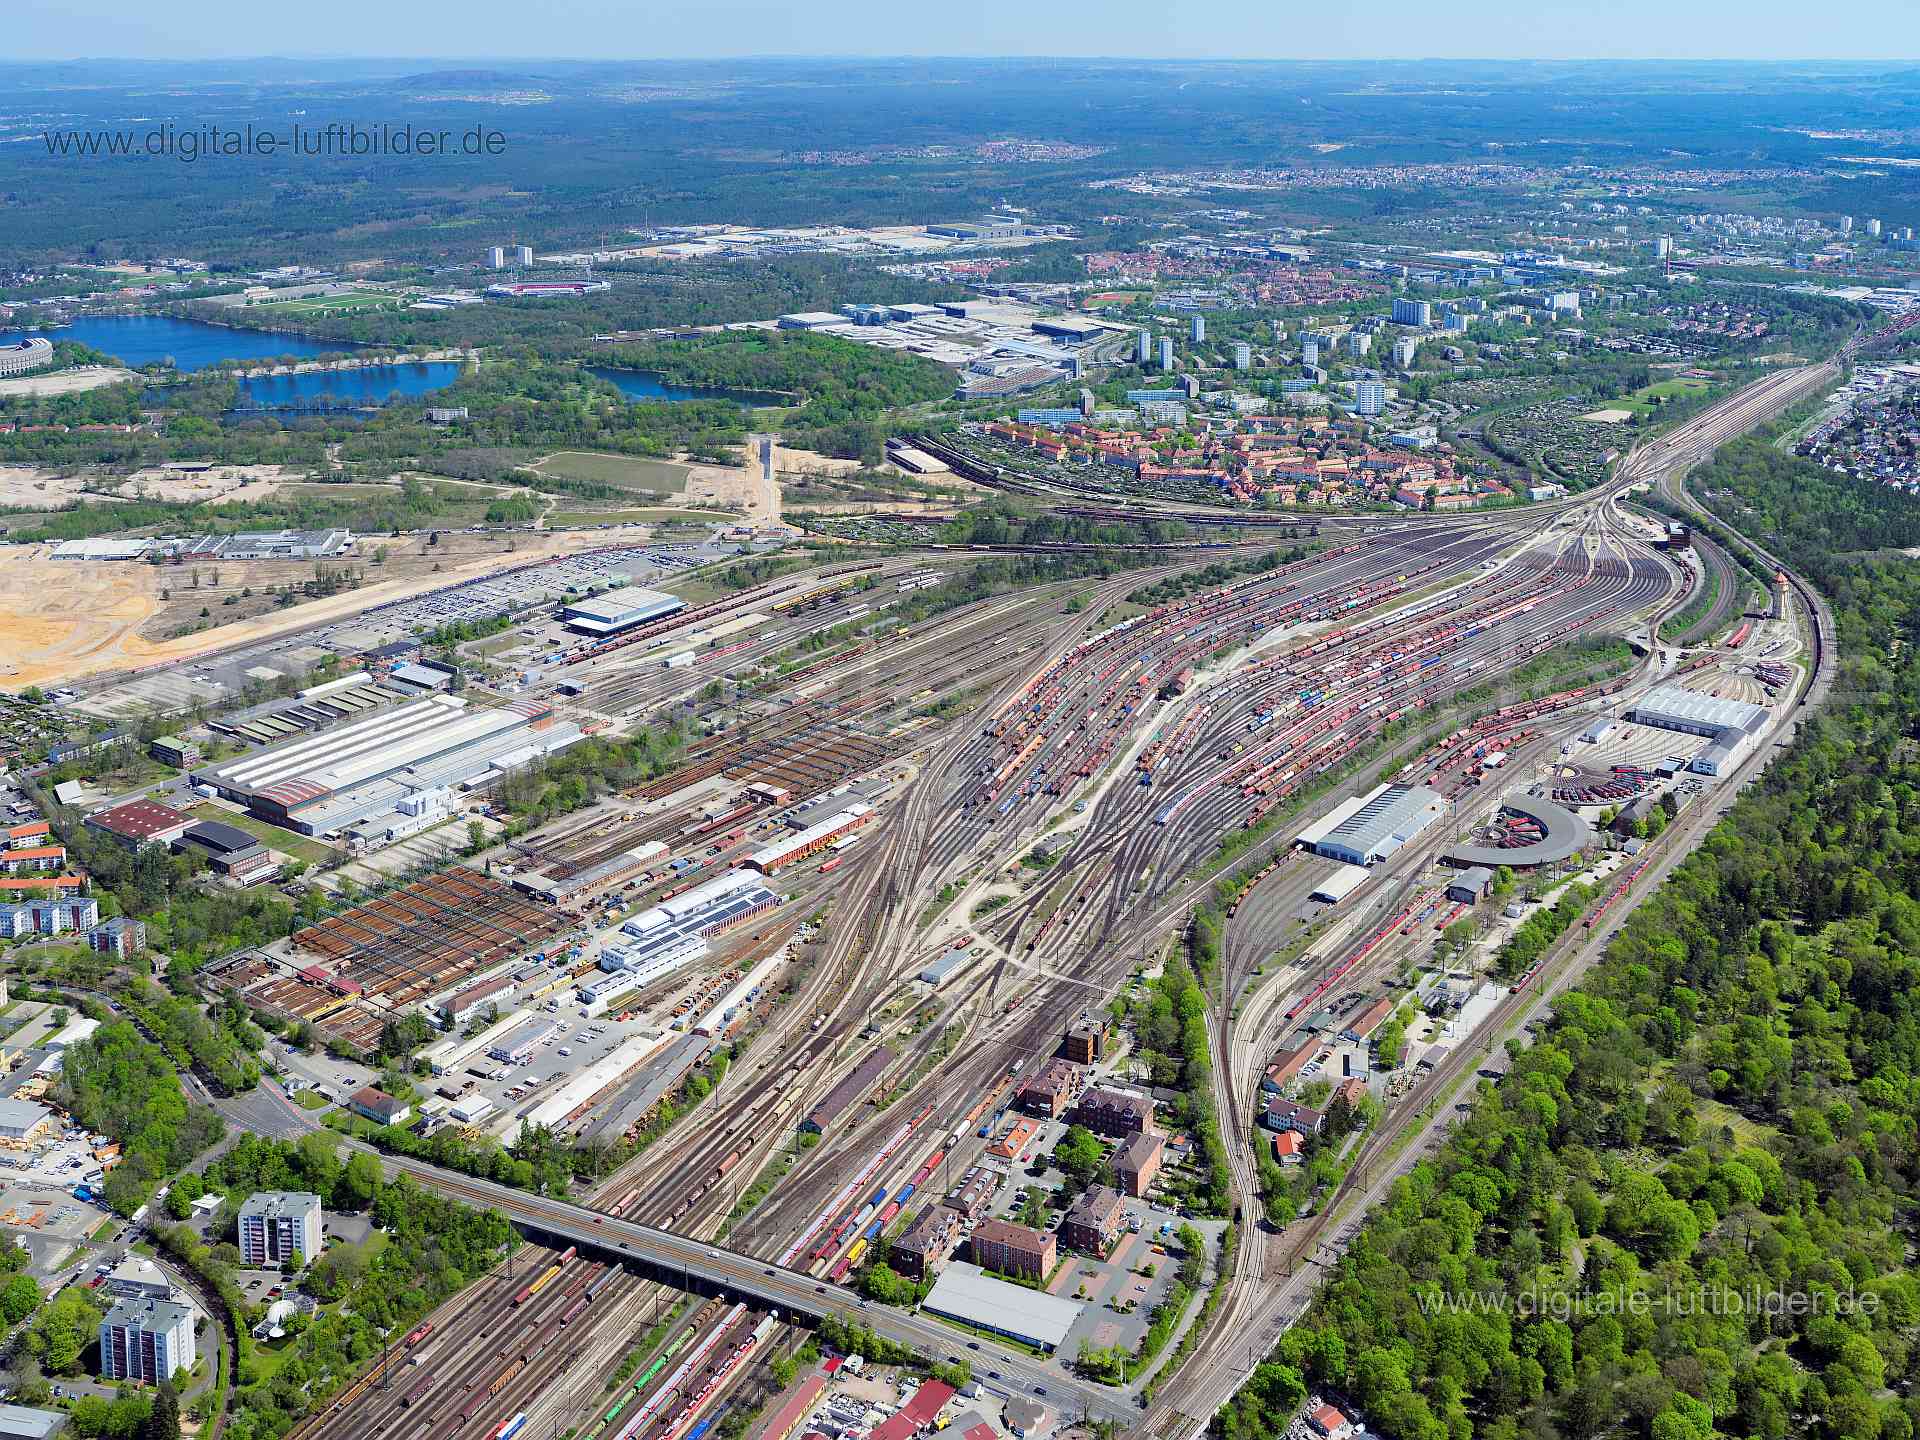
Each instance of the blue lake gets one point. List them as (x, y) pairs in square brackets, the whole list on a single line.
[(193, 344), (367, 385), (644, 385)]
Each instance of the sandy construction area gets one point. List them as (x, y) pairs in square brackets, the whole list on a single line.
[(65, 382), (1608, 417), (26, 488), (221, 482), (67, 619)]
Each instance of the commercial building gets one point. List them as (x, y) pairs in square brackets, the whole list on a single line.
[(974, 1193), (1026, 1417), (519, 1047), (279, 1227), (1050, 1090), (1013, 1249), (1368, 1020), (379, 1107), (1094, 1222), (579, 1093), (810, 841), (23, 1422), (1731, 725), (616, 611), (1470, 885), (146, 1340), (464, 1006), (851, 1090), (228, 850), (1113, 1113), (22, 1120), (1344, 880), (1374, 826), (1284, 1114), (1138, 1162), (1085, 1040), (258, 545), (141, 822), (172, 750), (924, 1248), (322, 784), (451, 1054)]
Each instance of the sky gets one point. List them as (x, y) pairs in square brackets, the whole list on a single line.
[(1160, 29)]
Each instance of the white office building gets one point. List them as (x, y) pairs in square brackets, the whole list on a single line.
[(146, 1340), (278, 1227)]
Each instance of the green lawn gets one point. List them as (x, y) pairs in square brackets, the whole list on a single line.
[(630, 472), (324, 304), (301, 847), (310, 1100)]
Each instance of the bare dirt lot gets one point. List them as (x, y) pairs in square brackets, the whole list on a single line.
[(23, 486), (65, 382), (221, 482), (71, 618)]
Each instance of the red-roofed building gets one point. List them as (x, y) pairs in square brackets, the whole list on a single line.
[(141, 822), (793, 1410), (1287, 1147), (23, 858), (33, 832), (1329, 1422), (61, 883)]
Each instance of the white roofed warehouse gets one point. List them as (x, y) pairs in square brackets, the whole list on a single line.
[(324, 783), (619, 610), (1375, 825), (1731, 725)]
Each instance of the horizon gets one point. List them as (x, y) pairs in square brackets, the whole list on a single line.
[(67, 32)]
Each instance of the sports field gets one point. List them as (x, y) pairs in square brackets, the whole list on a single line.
[(629, 472), (327, 304)]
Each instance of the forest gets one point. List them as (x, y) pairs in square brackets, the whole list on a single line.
[(1684, 1211)]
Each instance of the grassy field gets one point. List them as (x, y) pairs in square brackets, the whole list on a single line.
[(310, 305), (309, 1100), (1647, 396), (300, 847), (630, 472)]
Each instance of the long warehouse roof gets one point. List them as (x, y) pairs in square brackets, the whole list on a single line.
[(1387, 819), (1679, 703), (362, 750), (965, 1292)]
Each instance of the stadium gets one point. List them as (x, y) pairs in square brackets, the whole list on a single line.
[(19, 356)]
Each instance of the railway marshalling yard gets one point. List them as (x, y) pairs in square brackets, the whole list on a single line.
[(923, 827)]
